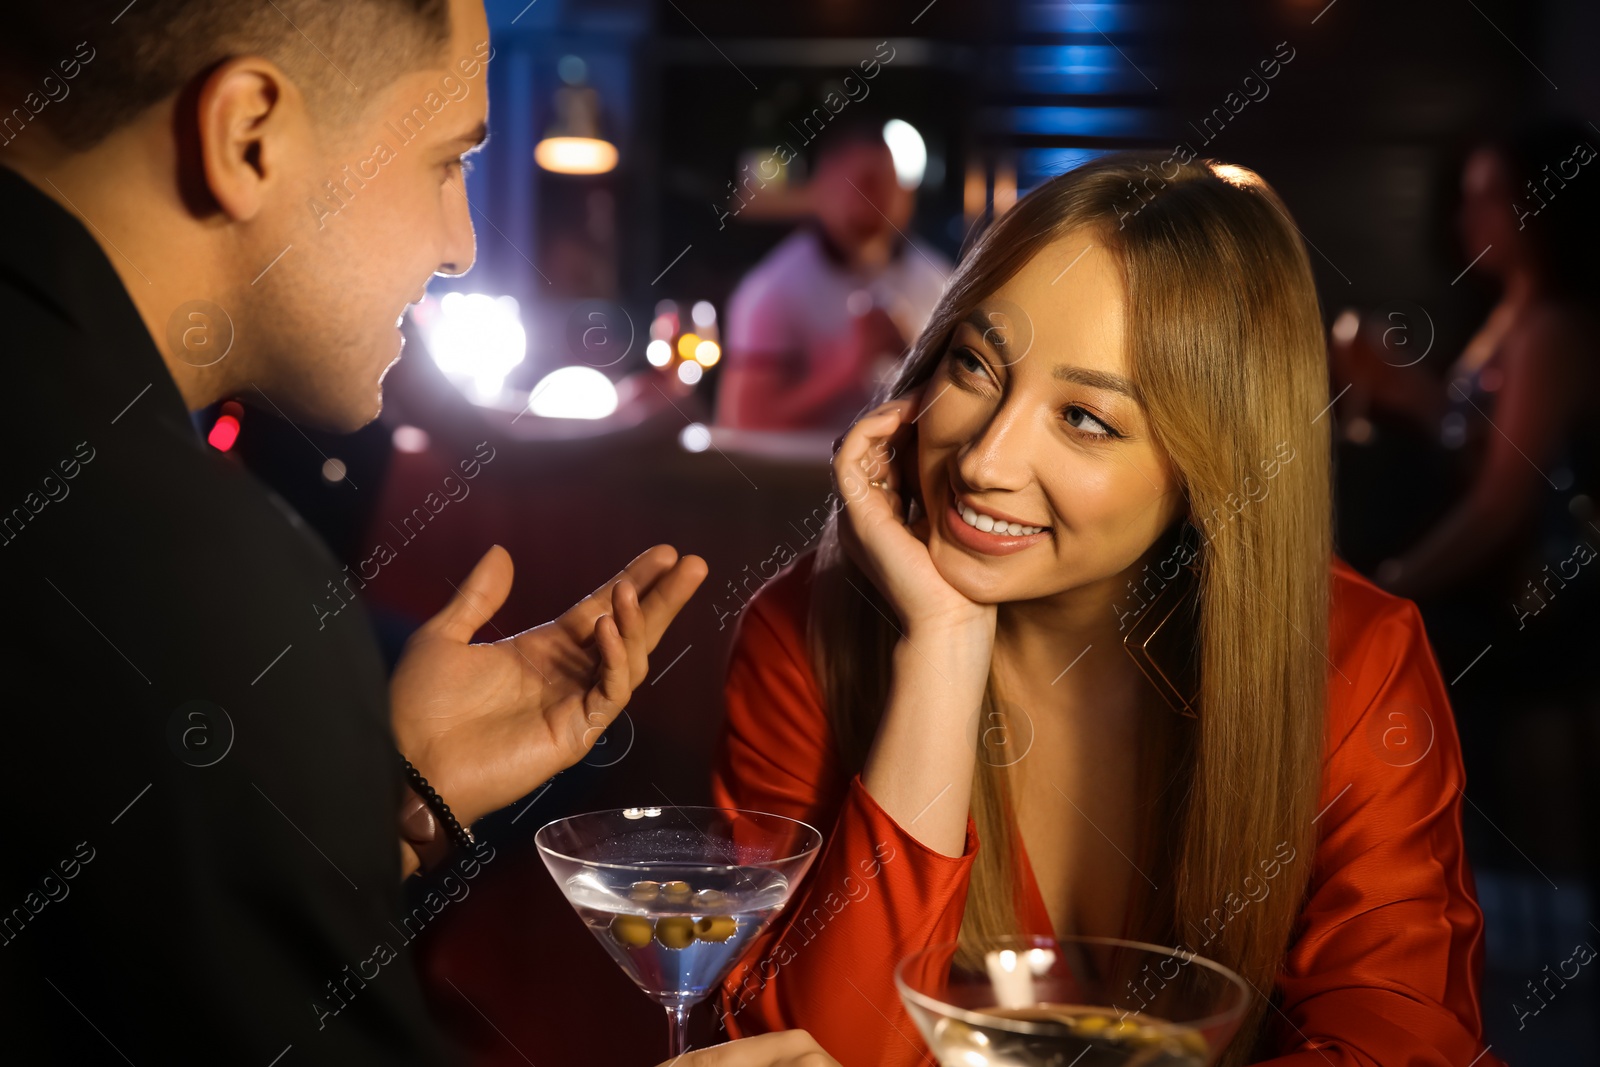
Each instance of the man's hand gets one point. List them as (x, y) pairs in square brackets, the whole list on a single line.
[(487, 723), (786, 1048)]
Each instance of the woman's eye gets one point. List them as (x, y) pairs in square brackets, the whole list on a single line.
[(967, 360), (1087, 424), (967, 363)]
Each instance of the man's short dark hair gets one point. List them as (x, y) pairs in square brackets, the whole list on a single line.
[(337, 52)]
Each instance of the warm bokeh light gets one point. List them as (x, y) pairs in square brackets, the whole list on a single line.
[(659, 353), (1005, 186), (687, 344), (706, 353), (575, 155), (975, 190)]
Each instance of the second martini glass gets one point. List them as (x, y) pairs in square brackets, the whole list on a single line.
[(676, 895), (1073, 1002)]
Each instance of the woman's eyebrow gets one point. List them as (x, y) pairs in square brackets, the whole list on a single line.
[(980, 319), (1098, 379)]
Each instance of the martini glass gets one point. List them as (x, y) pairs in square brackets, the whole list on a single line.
[(1074, 1002), (677, 895)]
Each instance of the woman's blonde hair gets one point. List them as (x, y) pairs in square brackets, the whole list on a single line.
[(1225, 340)]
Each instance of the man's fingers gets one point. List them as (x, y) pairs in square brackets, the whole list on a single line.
[(477, 597), (668, 596), (602, 702), (643, 572), (624, 661), (614, 685), (647, 567), (628, 615)]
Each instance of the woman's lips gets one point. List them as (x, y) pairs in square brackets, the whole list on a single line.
[(991, 544)]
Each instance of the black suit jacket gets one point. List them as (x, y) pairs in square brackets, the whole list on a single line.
[(200, 861)]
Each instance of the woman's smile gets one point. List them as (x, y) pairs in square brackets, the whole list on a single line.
[(966, 528)]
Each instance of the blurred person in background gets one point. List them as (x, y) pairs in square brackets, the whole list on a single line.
[(1504, 573), (816, 323)]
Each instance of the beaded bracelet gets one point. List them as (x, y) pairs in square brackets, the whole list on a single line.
[(461, 835)]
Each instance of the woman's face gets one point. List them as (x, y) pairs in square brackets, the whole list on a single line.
[(1031, 418)]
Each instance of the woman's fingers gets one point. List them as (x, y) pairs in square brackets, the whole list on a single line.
[(873, 528), (865, 475)]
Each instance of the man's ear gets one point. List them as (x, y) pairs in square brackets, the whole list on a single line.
[(248, 117)]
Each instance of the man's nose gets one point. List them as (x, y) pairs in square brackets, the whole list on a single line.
[(460, 244)]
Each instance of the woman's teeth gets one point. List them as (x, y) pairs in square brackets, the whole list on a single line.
[(989, 525)]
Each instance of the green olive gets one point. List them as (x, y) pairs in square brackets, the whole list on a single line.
[(675, 933), (632, 931), (715, 928), (675, 891)]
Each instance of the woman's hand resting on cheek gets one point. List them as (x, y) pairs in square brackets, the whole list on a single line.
[(874, 533), (920, 766)]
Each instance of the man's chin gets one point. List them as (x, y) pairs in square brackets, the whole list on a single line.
[(365, 402), (366, 413), (347, 416)]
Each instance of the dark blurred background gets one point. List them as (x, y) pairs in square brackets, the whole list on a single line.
[(1363, 131)]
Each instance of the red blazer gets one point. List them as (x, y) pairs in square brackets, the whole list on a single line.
[(1385, 971)]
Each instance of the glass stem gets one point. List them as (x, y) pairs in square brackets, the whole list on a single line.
[(677, 1030)]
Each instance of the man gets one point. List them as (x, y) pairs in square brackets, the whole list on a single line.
[(817, 323), (203, 199)]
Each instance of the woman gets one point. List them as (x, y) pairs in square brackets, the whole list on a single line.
[(1503, 575), (1522, 398), (1127, 372)]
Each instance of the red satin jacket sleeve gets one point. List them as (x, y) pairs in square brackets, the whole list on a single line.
[(1387, 963), (1384, 967)]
